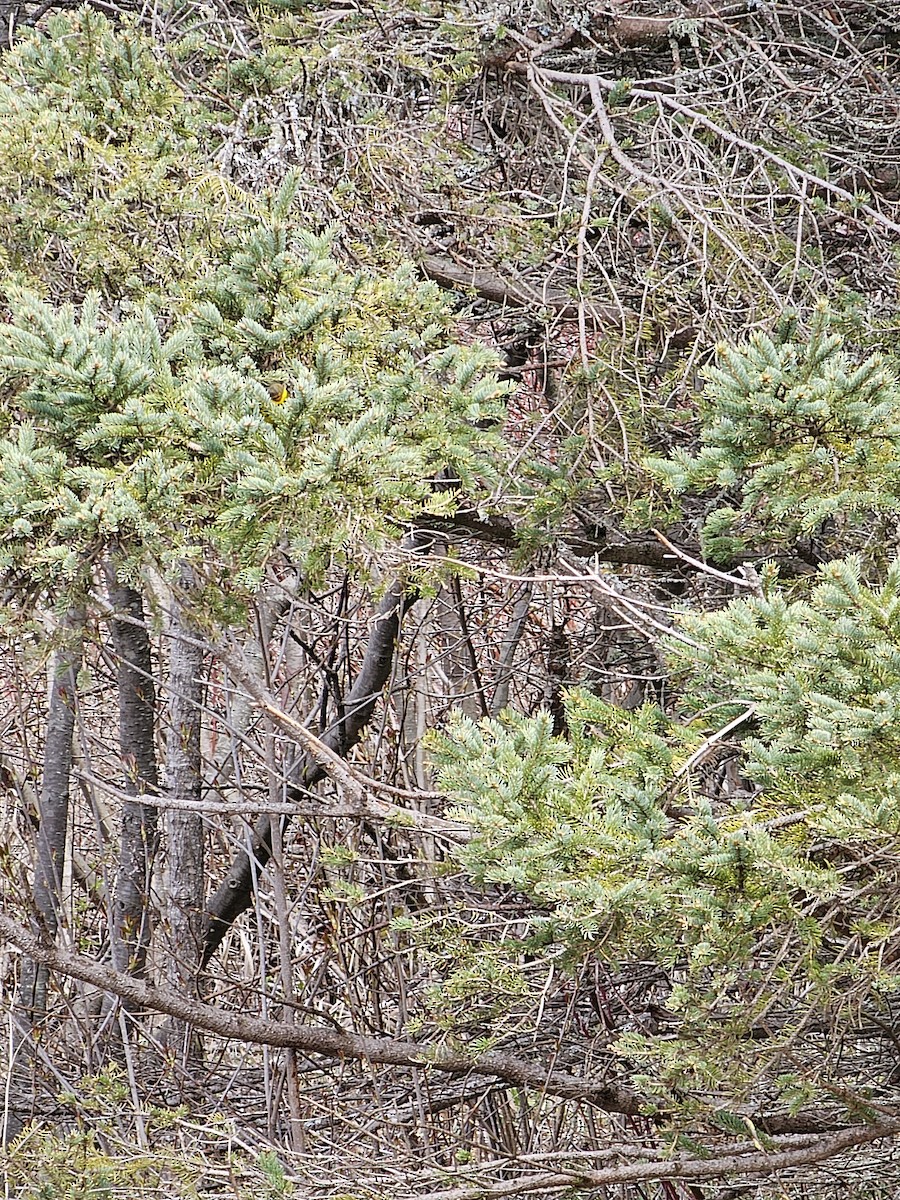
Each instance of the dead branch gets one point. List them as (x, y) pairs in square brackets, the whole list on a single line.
[(236, 890), (761, 1162), (491, 286), (796, 174), (328, 1042)]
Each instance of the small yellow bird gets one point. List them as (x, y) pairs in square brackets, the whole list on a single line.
[(277, 391)]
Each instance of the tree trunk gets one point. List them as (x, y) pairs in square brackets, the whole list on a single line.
[(185, 860), (131, 917), (53, 803)]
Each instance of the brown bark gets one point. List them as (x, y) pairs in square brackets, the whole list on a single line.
[(739, 1163), (518, 293), (643, 550), (827, 1131)]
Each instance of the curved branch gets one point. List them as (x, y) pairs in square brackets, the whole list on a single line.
[(795, 173), (236, 890), (329, 1042)]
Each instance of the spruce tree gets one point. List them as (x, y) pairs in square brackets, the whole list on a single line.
[(143, 427), (770, 907)]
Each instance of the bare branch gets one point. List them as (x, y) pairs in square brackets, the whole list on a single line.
[(329, 1042), (491, 286), (761, 1162), (798, 175)]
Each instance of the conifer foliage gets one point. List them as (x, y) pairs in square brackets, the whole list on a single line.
[(784, 884), (553, 737), (122, 431), (98, 162), (800, 434)]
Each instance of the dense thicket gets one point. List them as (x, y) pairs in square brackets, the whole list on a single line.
[(448, 523)]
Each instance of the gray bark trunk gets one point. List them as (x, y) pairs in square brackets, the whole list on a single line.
[(518, 620), (131, 910), (185, 860), (53, 803)]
